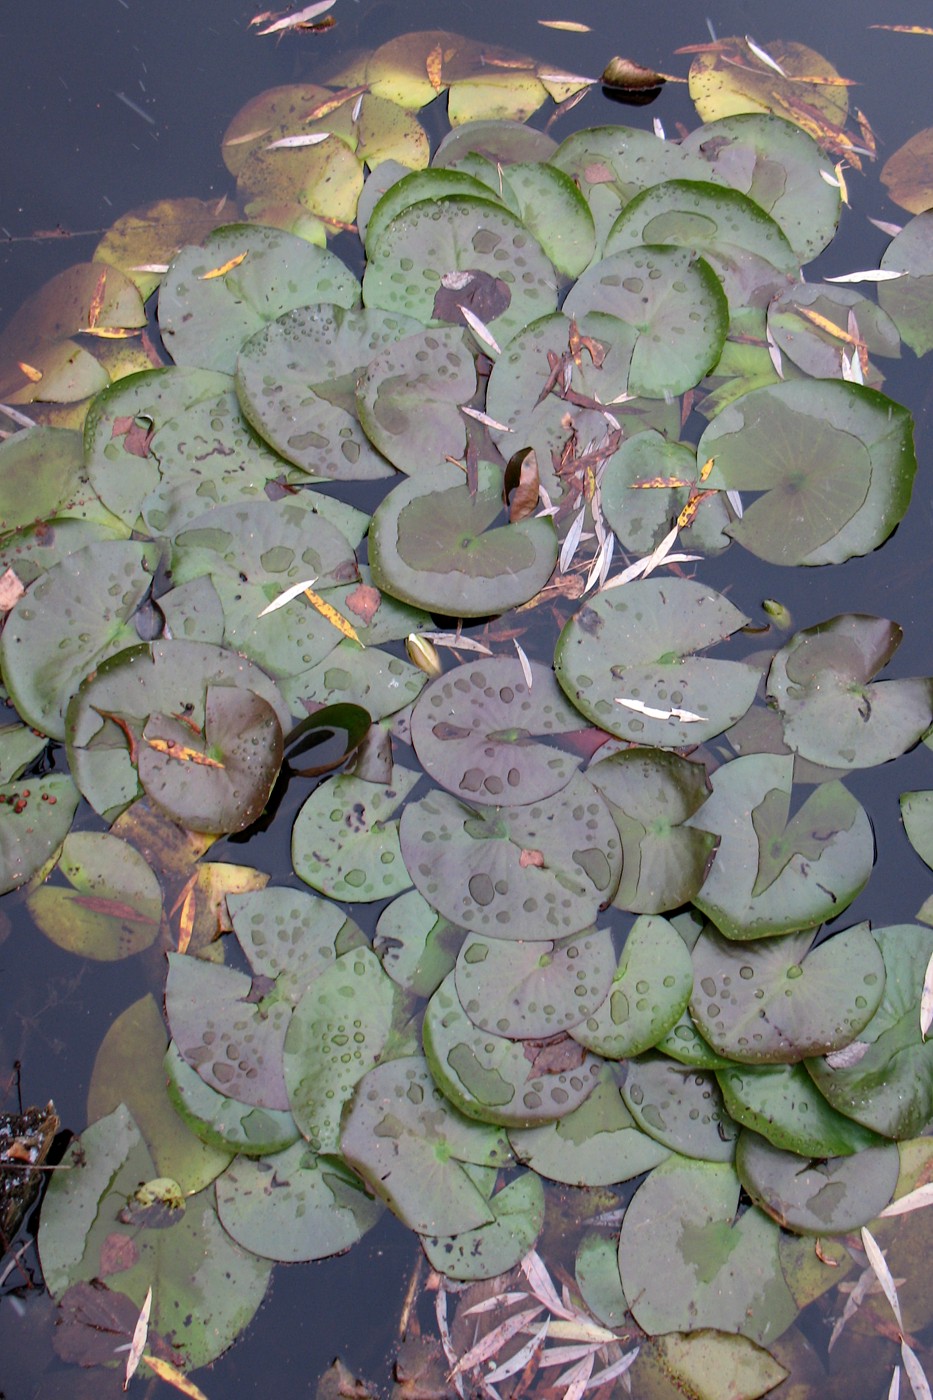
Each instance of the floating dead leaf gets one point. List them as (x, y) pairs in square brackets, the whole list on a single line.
[(117, 1254), (914, 1200), (908, 173), (172, 1376), (296, 20), (649, 711), (534, 858), (569, 26), (32, 374), (183, 753), (365, 601), (903, 28), (915, 1373), (526, 668), (11, 590), (522, 484), (287, 595), (626, 75)]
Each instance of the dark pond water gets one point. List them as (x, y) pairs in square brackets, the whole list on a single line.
[(112, 103)]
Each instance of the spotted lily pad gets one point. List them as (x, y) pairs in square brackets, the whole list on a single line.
[(774, 872), (649, 991), (417, 946), (782, 1104), (291, 936), (409, 397), (598, 1144), (413, 187), (436, 546), (113, 906), (411, 1146), (488, 736), (35, 818), (518, 1084), (637, 643), (780, 1000), (833, 712), (493, 1249), (221, 1122), (834, 463), (680, 1106), (831, 1195), (344, 841), (538, 872)]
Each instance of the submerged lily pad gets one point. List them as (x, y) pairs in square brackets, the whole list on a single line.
[(829, 1196), (436, 546), (649, 992), (113, 907), (409, 397), (344, 841), (598, 1144), (535, 872)]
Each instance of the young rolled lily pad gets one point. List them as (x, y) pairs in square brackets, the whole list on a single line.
[(780, 1000), (493, 1249), (215, 297), (782, 1104), (488, 736), (538, 872), (774, 873), (887, 1085), (517, 1084), (344, 841), (829, 1196), (436, 546), (294, 1206), (534, 990), (473, 248), (598, 1144), (907, 299), (724, 1270), (417, 946), (637, 644), (649, 992), (221, 1122), (410, 394), (681, 1107), (833, 713), (411, 1146), (113, 907), (834, 463), (35, 818), (675, 303)]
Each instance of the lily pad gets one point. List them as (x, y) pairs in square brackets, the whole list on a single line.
[(908, 173), (372, 679), (412, 188), (640, 505), (344, 841), (917, 816), (499, 140), (888, 1086), (811, 325), (781, 1000), (649, 992), (291, 936), (416, 945), (553, 209), (488, 736), (730, 78), (907, 299), (221, 1122), (707, 1365), (35, 818), (434, 545), (598, 1144), (674, 302), (113, 907), (410, 394), (773, 872), (830, 1196), (296, 381), (411, 1146), (727, 1275), (597, 1276), (493, 1249), (517, 1084), (782, 1104), (41, 471), (154, 233), (834, 714), (294, 1206), (681, 1107), (538, 872), (637, 643), (834, 463), (214, 297)]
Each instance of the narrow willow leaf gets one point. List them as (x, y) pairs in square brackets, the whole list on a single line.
[(883, 1274), (488, 1346), (287, 143), (926, 1000), (140, 1336), (572, 541), (539, 1281), (894, 1390), (480, 329), (305, 16), (524, 663), (873, 274), (914, 1200), (576, 1378), (571, 26), (329, 612), (172, 1376), (763, 54), (456, 642), (485, 419), (685, 716), (611, 1373), (287, 596), (563, 1356), (224, 268), (915, 1374), (519, 1360)]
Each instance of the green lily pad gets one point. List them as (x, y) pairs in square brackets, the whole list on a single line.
[(782, 1104), (221, 1122), (399, 70), (638, 643), (444, 253), (193, 612), (774, 873), (63, 372), (114, 906), (20, 746), (434, 545), (68, 622), (685, 1044), (834, 463), (372, 679), (533, 990), (291, 936), (153, 233), (35, 818), (917, 816), (41, 472), (723, 1270), (344, 841), (674, 302), (294, 1206), (296, 382), (888, 1085), (168, 677), (829, 1196), (907, 299), (206, 313), (409, 397), (538, 872), (780, 1000), (517, 1084), (650, 794), (649, 992), (681, 1107), (412, 188), (205, 1288), (416, 945), (339, 1030), (493, 1249), (833, 713), (553, 209), (816, 348), (411, 1146), (488, 736), (598, 1144)]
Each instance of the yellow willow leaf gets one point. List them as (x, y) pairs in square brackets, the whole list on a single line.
[(111, 332), (172, 1376), (97, 300), (434, 67), (182, 752), (826, 325), (30, 371), (903, 28), (224, 269), (332, 615), (186, 921), (658, 482), (843, 187), (570, 26), (333, 104), (686, 516), (706, 468)]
